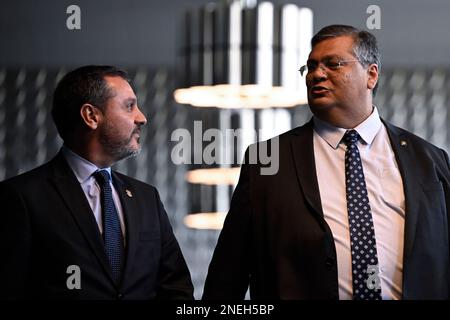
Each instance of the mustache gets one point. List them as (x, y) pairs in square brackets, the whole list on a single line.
[(136, 130)]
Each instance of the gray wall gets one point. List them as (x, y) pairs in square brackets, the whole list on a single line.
[(144, 33)]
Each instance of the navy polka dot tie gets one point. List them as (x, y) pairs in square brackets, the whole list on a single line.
[(112, 233), (365, 279)]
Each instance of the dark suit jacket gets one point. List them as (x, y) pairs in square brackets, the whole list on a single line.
[(276, 240), (46, 225)]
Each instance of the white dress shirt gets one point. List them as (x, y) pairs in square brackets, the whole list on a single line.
[(386, 197), (83, 170)]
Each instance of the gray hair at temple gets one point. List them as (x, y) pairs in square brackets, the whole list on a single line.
[(365, 44)]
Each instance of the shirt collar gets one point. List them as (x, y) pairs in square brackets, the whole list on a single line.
[(367, 129), (82, 168)]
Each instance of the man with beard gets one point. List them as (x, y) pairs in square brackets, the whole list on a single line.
[(75, 229)]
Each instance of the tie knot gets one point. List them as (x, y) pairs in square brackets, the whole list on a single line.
[(351, 137), (102, 177)]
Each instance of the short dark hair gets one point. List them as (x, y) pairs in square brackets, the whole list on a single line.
[(365, 44), (86, 84)]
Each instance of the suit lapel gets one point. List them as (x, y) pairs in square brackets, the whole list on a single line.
[(70, 190), (303, 153), (405, 157), (132, 217)]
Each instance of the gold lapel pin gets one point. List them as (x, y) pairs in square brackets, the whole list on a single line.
[(403, 143), (128, 192)]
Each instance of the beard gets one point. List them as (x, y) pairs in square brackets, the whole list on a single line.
[(116, 144)]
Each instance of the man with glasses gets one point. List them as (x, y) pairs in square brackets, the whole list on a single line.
[(359, 208)]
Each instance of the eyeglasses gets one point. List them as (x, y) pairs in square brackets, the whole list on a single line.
[(326, 65)]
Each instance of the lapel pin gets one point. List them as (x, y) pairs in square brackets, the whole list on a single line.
[(128, 192), (403, 143)]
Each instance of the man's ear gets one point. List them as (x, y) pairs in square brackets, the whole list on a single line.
[(90, 115), (372, 79)]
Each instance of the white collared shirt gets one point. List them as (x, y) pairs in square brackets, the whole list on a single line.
[(83, 170), (386, 197)]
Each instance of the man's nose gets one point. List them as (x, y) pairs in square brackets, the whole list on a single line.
[(320, 69), (318, 74), (140, 118)]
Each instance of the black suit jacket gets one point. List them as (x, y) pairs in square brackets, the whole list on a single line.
[(46, 225), (275, 237)]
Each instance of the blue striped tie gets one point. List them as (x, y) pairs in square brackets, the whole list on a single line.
[(366, 283), (112, 233)]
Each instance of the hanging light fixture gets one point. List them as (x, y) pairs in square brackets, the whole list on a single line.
[(205, 220), (240, 55), (214, 176), (244, 54)]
